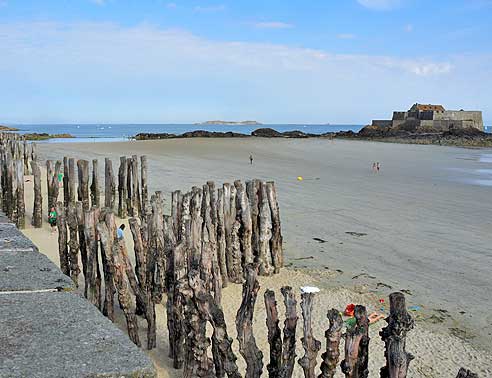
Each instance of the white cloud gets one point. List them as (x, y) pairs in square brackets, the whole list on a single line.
[(273, 25), (379, 4), (107, 72), (346, 36), (209, 9)]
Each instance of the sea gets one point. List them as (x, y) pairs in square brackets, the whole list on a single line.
[(122, 132)]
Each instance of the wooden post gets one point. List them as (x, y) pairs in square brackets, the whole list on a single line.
[(310, 344), (92, 270), (274, 335), (66, 185), (73, 243), (82, 244), (136, 199), (244, 214), (244, 325), (140, 262), (156, 264), (355, 364), (25, 157), (107, 241), (109, 185), (221, 238), (71, 180), (37, 213), (290, 324), (123, 292), (234, 266), (208, 246), (394, 338), (176, 203), (265, 229), (276, 240), (141, 290), (197, 364), (122, 193), (61, 223), (252, 188), (34, 156), (21, 205), (83, 188), (145, 190), (52, 180), (13, 189), (333, 335), (178, 336), (224, 357), (95, 193)]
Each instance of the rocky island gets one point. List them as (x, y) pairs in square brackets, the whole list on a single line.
[(7, 128), (219, 122), (45, 136)]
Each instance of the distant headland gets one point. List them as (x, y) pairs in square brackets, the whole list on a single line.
[(7, 128), (219, 122)]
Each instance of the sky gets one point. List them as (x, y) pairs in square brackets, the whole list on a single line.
[(274, 61)]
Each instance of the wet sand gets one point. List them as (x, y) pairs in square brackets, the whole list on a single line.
[(419, 224)]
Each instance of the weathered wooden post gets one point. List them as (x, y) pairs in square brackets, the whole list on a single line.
[(333, 335), (197, 363), (25, 157), (92, 270), (73, 243), (34, 156), (21, 205), (71, 180), (290, 324), (140, 262), (176, 204), (107, 240), (82, 244), (61, 223), (310, 344), (123, 291), (37, 213), (252, 188), (276, 240), (265, 233), (136, 199), (234, 256), (221, 238), (109, 185), (66, 185), (196, 227), (122, 193), (145, 190), (83, 188), (52, 180), (244, 215), (95, 193), (355, 364), (274, 335), (244, 324), (394, 338), (224, 358)]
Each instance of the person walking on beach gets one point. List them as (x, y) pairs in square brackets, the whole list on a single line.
[(377, 167), (119, 233), (251, 159), (374, 167), (52, 219)]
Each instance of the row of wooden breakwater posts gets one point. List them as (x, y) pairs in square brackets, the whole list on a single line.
[(211, 237)]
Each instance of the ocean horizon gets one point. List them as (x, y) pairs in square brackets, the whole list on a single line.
[(122, 132)]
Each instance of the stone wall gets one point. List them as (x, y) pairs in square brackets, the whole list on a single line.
[(473, 118), (47, 329)]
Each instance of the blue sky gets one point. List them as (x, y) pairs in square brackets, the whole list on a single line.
[(276, 61)]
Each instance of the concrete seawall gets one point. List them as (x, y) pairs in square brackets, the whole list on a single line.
[(48, 330)]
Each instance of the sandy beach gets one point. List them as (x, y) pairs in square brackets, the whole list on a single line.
[(422, 225)]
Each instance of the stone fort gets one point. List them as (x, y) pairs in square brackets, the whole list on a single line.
[(423, 118)]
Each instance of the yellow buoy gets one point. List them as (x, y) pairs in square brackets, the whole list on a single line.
[(299, 178)]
